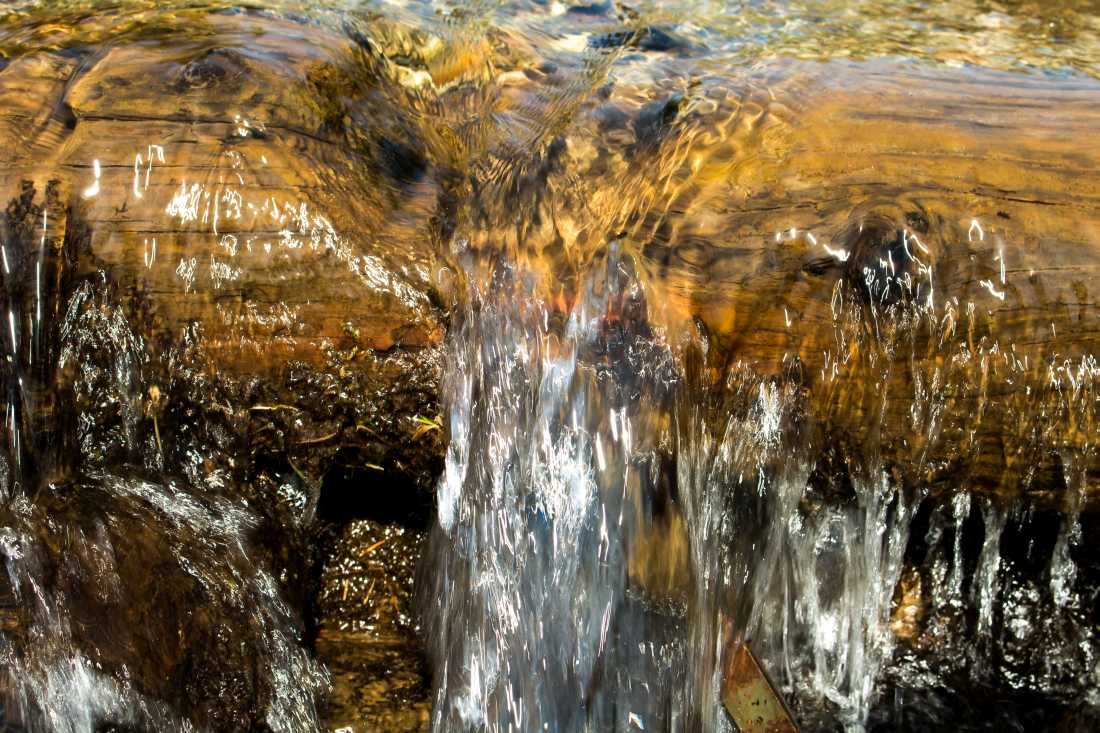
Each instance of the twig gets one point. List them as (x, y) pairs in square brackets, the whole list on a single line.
[(321, 439), (373, 547)]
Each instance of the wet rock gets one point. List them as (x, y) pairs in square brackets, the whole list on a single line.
[(655, 117), (976, 614), (650, 38), (217, 66), (658, 39), (792, 234), (597, 8), (142, 606)]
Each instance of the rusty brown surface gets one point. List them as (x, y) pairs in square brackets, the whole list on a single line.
[(750, 698)]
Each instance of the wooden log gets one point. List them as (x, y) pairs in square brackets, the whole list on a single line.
[(298, 200), (218, 191), (914, 246), (252, 219)]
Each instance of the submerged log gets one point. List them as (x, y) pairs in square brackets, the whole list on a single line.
[(272, 257), (913, 248), (961, 214), (915, 244), (910, 246), (240, 237)]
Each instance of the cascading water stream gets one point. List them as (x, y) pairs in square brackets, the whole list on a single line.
[(580, 440), (612, 516), (576, 441), (533, 508), (713, 372)]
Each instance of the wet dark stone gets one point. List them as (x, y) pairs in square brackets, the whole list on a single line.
[(114, 392), (613, 39), (831, 479), (325, 435), (650, 38), (656, 117), (155, 600), (611, 117), (30, 379), (657, 39), (1033, 659), (973, 708), (66, 115)]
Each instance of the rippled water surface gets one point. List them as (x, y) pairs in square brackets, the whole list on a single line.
[(750, 321)]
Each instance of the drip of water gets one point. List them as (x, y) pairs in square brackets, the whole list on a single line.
[(986, 586), (851, 560), (1063, 569)]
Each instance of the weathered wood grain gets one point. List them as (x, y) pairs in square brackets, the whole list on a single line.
[(731, 190)]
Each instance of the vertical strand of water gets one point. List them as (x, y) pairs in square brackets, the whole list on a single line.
[(985, 589)]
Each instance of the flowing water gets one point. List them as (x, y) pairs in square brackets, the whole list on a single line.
[(764, 321)]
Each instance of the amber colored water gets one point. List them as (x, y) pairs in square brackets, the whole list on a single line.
[(773, 321)]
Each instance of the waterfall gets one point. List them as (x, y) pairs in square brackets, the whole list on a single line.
[(615, 512), (750, 343), (580, 439)]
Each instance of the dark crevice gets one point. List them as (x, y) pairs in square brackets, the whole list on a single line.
[(351, 491)]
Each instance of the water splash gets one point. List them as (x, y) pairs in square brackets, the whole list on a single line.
[(533, 509), (575, 440), (609, 505)]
